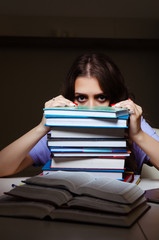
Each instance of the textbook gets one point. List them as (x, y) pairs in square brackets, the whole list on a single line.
[(88, 154), (86, 111), (83, 183), (86, 132), (109, 150), (88, 163), (87, 122), (84, 166), (109, 174), (82, 142), (79, 209)]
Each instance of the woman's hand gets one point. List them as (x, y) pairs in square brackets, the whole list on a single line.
[(58, 101), (135, 117)]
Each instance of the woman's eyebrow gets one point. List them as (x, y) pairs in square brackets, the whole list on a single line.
[(98, 94), (77, 93)]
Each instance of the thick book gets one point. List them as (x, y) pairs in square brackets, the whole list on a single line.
[(96, 173), (79, 209), (119, 174), (61, 197), (88, 163), (86, 111), (82, 142), (83, 183), (87, 132), (87, 122)]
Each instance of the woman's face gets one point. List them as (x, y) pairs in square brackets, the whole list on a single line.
[(89, 93)]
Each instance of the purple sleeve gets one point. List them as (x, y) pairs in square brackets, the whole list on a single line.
[(140, 155), (40, 152)]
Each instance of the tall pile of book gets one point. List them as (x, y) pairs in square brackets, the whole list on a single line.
[(91, 140)]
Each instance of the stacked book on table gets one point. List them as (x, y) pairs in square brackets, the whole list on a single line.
[(77, 197), (88, 139)]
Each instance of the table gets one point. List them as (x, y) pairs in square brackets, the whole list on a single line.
[(147, 226)]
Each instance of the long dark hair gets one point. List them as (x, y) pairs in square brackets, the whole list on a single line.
[(102, 68), (110, 80)]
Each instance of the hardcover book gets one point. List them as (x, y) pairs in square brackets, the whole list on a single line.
[(85, 111)]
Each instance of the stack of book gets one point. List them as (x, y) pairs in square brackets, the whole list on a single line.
[(88, 139), (76, 196)]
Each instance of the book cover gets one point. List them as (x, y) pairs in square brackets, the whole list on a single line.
[(82, 142), (87, 122), (85, 111), (90, 163), (87, 132)]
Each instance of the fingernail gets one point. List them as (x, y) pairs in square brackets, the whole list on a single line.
[(112, 104), (129, 99), (75, 103)]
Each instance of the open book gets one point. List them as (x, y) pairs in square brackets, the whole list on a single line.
[(11, 206), (63, 198), (83, 183)]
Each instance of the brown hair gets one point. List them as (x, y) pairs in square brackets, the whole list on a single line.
[(103, 69)]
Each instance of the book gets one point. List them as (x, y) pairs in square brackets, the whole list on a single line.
[(88, 154), (109, 174), (88, 163), (86, 132), (83, 183), (61, 197), (109, 150), (17, 207), (86, 111), (94, 142), (87, 122)]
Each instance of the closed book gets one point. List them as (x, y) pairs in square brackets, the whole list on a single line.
[(86, 111), (109, 150), (89, 154), (96, 173), (87, 122), (82, 142), (87, 132), (90, 163)]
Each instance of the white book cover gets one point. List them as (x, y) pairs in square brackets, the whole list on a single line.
[(91, 163), (86, 143), (87, 122)]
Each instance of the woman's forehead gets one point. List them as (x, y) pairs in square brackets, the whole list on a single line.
[(87, 84)]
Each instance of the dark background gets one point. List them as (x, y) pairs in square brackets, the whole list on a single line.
[(39, 41)]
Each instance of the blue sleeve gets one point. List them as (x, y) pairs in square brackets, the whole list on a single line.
[(40, 153), (140, 155)]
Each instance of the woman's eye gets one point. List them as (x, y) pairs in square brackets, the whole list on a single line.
[(101, 98), (81, 98)]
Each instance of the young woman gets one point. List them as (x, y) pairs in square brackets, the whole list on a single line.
[(93, 80)]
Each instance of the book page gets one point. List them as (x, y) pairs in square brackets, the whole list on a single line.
[(39, 193), (10, 206), (68, 180), (93, 203), (111, 189)]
